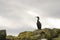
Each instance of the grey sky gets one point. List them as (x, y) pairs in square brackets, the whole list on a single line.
[(20, 15)]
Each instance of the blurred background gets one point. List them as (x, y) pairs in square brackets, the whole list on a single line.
[(20, 15)]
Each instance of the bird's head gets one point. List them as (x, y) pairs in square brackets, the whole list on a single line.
[(37, 17)]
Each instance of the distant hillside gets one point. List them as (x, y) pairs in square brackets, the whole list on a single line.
[(49, 34)]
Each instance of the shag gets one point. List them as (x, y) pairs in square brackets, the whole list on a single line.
[(38, 23)]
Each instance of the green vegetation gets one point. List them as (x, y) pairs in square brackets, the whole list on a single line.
[(10, 37), (49, 34)]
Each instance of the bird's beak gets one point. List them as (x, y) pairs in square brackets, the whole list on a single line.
[(37, 17)]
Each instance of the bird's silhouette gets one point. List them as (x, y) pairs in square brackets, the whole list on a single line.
[(38, 23)]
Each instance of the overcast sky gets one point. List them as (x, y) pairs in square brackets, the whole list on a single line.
[(20, 15)]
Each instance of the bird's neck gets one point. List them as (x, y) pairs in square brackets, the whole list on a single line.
[(37, 19)]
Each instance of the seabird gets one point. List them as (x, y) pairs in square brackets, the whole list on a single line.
[(38, 23)]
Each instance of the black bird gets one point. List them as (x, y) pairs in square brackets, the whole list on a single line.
[(38, 23)]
